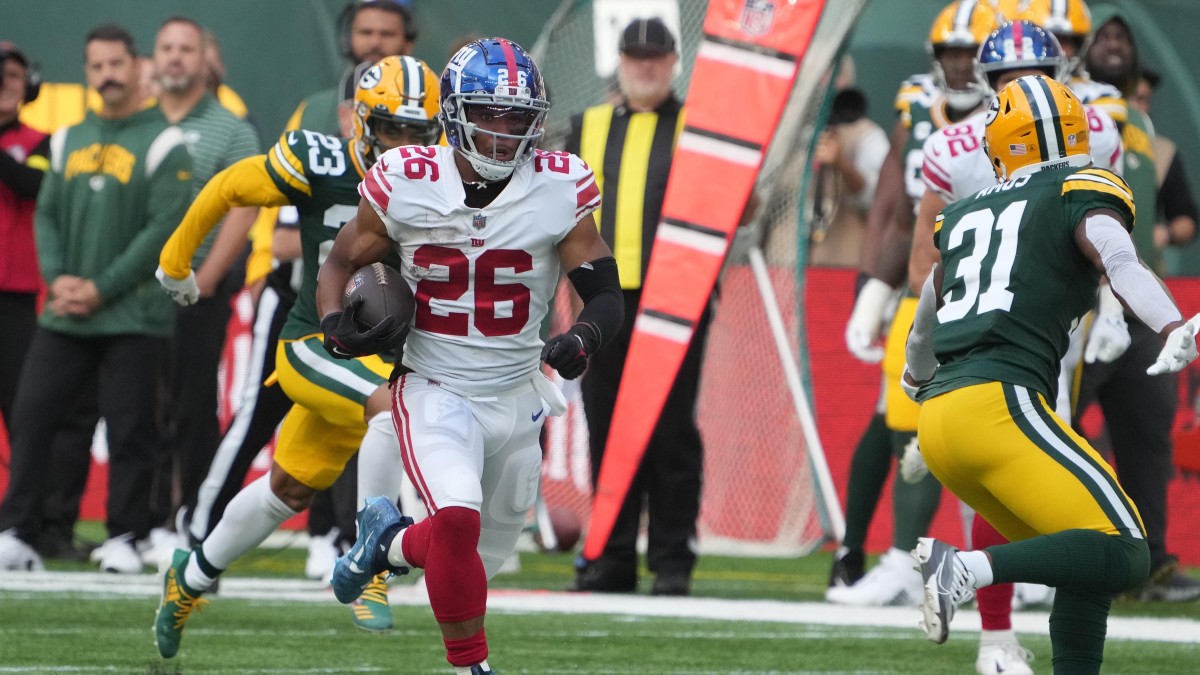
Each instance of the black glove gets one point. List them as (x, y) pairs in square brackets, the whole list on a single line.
[(568, 353), (345, 339)]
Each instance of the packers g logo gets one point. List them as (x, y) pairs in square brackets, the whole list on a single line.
[(370, 78), (992, 111)]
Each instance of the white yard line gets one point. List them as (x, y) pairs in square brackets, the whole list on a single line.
[(811, 613)]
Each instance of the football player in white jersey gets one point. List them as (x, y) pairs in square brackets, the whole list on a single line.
[(483, 228), (956, 166)]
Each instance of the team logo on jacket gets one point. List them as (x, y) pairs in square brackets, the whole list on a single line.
[(479, 221), (757, 17)]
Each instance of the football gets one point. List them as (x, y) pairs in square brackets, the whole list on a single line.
[(384, 293)]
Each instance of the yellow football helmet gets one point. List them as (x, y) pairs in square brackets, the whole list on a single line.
[(1069, 20), (1035, 121), (962, 24), (398, 91)]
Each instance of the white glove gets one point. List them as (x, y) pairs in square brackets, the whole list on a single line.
[(1179, 351), (183, 291), (1109, 336), (912, 463), (866, 321)]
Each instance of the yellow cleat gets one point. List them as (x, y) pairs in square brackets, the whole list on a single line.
[(178, 603), (370, 611)]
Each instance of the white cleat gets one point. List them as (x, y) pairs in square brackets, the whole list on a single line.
[(892, 582), (118, 555), (322, 554), (16, 555), (1008, 658)]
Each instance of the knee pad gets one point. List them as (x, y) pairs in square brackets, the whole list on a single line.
[(457, 527), (460, 487)]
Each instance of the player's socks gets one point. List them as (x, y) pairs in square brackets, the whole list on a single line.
[(913, 504), (995, 601), (978, 565), (1077, 627), (199, 575), (252, 515), (1079, 559), (467, 652), (379, 464), (868, 472), (474, 669)]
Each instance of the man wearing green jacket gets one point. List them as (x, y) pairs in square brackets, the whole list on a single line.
[(118, 183)]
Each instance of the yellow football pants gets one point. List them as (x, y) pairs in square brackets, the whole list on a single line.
[(325, 426), (901, 411), (1004, 452)]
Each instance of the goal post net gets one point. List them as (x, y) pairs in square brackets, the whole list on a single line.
[(760, 494)]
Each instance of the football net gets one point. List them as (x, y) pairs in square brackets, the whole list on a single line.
[(761, 495)]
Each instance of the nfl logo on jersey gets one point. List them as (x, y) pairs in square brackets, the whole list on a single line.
[(757, 17), (479, 221)]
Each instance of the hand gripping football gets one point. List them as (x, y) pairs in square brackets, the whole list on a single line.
[(384, 293)]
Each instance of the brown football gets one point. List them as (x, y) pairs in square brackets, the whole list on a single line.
[(384, 293)]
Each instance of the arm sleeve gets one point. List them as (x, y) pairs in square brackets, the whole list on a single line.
[(25, 178), (170, 186), (919, 350), (599, 287), (1137, 286), (246, 183)]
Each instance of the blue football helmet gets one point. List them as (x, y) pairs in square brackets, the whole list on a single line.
[(496, 77), (1021, 45)]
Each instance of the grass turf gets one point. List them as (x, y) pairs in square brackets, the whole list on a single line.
[(72, 632)]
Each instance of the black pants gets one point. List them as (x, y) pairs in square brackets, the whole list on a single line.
[(191, 428), (1139, 410), (18, 316), (261, 410), (671, 473), (57, 368)]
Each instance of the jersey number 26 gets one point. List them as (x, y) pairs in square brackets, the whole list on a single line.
[(488, 293)]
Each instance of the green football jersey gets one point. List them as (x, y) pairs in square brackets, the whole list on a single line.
[(922, 109), (319, 174), (1014, 280)]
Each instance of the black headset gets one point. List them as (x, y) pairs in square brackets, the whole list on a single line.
[(33, 77), (346, 19)]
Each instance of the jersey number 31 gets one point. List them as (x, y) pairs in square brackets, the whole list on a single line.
[(971, 270)]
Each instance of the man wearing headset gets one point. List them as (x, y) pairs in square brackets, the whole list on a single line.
[(23, 162)]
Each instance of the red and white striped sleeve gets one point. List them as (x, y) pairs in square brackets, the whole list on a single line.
[(933, 173), (587, 191), (376, 187)]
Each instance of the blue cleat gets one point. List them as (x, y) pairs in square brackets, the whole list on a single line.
[(378, 519)]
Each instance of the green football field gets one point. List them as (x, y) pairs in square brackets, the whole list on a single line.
[(746, 616)]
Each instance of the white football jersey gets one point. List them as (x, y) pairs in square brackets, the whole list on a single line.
[(956, 166), (483, 278), (1104, 96)]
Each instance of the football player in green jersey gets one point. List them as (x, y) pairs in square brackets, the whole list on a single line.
[(340, 406), (1021, 262), (924, 103)]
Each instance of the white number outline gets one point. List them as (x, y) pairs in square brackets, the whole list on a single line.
[(984, 224), (334, 165)]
